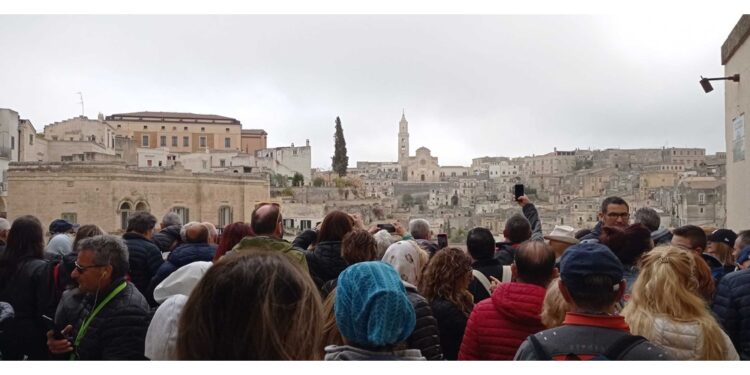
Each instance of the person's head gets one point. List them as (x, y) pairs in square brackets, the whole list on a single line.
[(667, 286), (358, 246), (591, 277), (689, 237), (101, 260), (517, 229), (614, 212), (86, 231), (743, 239), (534, 263), (213, 233), (266, 220), (371, 307), (170, 219), (408, 259), (334, 226), (257, 306), (194, 232), (561, 238), (230, 236), (627, 243), (384, 240), (142, 223), (447, 276), (25, 240), (720, 244), (480, 243), (58, 226), (648, 217), (4, 228), (420, 229), (554, 307)]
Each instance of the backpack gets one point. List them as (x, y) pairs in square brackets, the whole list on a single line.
[(615, 352)]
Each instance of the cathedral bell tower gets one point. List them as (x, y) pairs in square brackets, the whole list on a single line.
[(403, 140)]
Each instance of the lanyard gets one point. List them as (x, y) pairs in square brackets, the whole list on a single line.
[(99, 307)]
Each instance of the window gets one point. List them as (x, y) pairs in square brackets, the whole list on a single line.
[(185, 128), (222, 163), (142, 207), (174, 141), (701, 198), (202, 142), (225, 216), (701, 209), (163, 127), (186, 141), (227, 130), (148, 162), (31, 139), (71, 217), (183, 213), (203, 129), (124, 214), (145, 141), (119, 126), (13, 142), (145, 127), (163, 141), (228, 143), (205, 164)]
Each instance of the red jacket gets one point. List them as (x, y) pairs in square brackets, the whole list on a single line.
[(499, 324)]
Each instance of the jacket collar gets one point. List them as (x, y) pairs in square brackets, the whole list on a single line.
[(603, 321)]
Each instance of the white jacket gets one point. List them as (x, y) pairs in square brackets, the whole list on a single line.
[(684, 340)]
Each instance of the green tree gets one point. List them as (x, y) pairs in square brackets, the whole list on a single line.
[(319, 181), (407, 200), (340, 160), (298, 179)]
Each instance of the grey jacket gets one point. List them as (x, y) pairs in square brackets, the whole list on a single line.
[(351, 353)]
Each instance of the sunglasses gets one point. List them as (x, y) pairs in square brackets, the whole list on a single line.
[(82, 269)]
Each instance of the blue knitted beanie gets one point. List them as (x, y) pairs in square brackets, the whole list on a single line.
[(372, 308)]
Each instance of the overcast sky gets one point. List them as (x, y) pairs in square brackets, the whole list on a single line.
[(470, 86)]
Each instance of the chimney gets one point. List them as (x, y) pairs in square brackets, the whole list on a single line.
[(292, 144), (307, 143)]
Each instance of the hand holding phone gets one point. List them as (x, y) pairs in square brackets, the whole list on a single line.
[(57, 332), (389, 227), (518, 190)]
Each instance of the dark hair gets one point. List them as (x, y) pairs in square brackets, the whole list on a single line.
[(694, 234), (141, 222), (628, 244), (25, 241), (231, 236), (535, 263), (266, 223), (108, 250), (334, 226), (582, 233), (258, 306), (441, 276), (595, 292), (648, 217), (743, 238), (517, 229), (86, 231), (613, 200), (480, 243), (359, 246)]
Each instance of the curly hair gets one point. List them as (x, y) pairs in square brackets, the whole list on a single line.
[(358, 246), (446, 277)]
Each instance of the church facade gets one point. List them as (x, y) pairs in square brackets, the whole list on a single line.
[(423, 167)]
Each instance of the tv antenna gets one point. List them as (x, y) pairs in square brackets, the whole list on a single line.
[(80, 95)]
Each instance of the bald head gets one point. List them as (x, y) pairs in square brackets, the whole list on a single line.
[(535, 263), (194, 232), (265, 220)]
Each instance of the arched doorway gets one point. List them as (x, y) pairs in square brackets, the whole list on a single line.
[(124, 210)]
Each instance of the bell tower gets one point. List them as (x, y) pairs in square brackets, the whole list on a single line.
[(403, 140)]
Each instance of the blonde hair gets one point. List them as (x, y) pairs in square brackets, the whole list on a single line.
[(724, 253), (667, 285), (554, 307), (331, 334)]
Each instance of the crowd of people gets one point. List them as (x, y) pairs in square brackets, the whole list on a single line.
[(627, 289)]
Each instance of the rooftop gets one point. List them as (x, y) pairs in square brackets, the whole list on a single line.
[(170, 117)]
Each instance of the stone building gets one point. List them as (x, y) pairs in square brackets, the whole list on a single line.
[(689, 157), (287, 161), (555, 162), (423, 167), (700, 201), (253, 140), (735, 56), (105, 193)]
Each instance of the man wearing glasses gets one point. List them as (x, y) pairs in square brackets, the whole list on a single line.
[(614, 212), (106, 317), (266, 223)]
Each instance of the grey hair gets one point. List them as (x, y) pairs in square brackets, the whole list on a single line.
[(384, 240), (171, 218), (648, 217), (419, 229), (108, 250), (4, 224)]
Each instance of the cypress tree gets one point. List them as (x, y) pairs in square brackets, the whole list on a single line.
[(339, 159)]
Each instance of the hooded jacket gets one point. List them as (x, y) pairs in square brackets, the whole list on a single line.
[(498, 325), (181, 256), (351, 353)]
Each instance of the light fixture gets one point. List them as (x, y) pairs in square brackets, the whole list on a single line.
[(707, 85)]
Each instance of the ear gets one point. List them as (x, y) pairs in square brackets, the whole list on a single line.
[(621, 290), (600, 216)]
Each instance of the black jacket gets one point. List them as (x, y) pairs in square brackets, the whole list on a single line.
[(182, 255), (732, 309), (430, 247), (145, 259), (505, 253), (30, 291), (488, 267), (166, 236), (595, 233), (325, 262), (426, 336), (305, 239), (452, 324), (118, 332)]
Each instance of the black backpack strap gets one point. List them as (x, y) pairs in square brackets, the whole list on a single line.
[(622, 346), (541, 354)]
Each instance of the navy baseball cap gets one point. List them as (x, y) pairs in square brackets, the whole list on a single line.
[(61, 226), (585, 259), (726, 236)]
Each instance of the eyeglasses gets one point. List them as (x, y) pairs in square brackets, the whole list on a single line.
[(82, 269), (614, 215)]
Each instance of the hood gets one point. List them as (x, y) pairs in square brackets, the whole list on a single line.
[(519, 302), (350, 353), (161, 337), (266, 243), (181, 281)]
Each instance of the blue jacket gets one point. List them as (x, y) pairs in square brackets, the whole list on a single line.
[(182, 255), (732, 309)]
